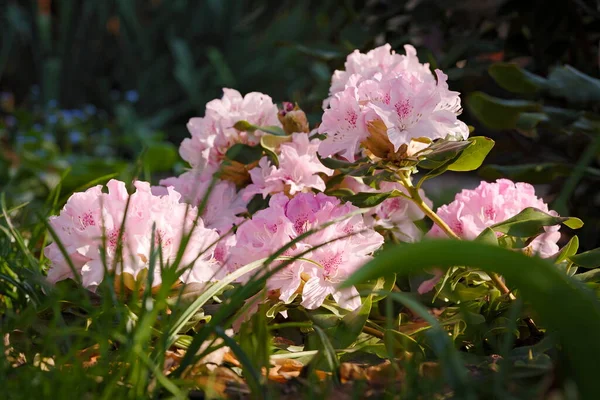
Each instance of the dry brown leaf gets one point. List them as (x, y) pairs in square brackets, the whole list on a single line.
[(284, 370), (352, 372), (384, 373)]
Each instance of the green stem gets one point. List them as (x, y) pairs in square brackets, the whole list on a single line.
[(418, 200)]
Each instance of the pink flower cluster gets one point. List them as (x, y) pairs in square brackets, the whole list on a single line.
[(333, 253), (94, 224), (297, 171), (214, 134), (474, 210), (394, 89), (211, 137), (223, 204), (379, 61)]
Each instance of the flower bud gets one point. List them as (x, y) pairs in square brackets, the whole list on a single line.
[(292, 118), (379, 145), (377, 142)]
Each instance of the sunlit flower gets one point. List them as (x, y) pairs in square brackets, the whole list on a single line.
[(298, 169), (214, 134), (115, 230), (381, 61), (390, 90), (333, 253), (490, 203)]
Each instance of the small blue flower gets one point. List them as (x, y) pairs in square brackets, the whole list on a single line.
[(52, 119), (132, 96), (52, 103), (67, 116), (75, 137), (90, 109), (78, 114), (37, 127)]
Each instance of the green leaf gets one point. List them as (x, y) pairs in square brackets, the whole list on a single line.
[(273, 130), (441, 152), (530, 222), (346, 332), (487, 236), (570, 310), (570, 249), (244, 126), (248, 127), (497, 113), (338, 164), (574, 85), (371, 199), (588, 259), (515, 79), (472, 157), (589, 276), (270, 143), (244, 154), (528, 122)]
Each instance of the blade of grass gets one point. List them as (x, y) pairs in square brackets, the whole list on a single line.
[(570, 309)]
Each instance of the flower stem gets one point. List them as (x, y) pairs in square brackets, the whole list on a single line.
[(418, 200)]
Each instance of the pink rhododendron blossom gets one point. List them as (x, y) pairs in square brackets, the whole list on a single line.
[(345, 125), (392, 89), (397, 214), (223, 205), (298, 169), (381, 61), (474, 210), (414, 108), (214, 134), (93, 223), (349, 244)]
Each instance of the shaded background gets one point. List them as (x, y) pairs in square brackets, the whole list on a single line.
[(89, 86)]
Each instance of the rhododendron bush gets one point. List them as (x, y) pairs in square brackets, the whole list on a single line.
[(305, 235)]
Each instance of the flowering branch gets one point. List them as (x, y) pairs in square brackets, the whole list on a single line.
[(418, 200)]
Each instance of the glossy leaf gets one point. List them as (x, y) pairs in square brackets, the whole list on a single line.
[(270, 143), (568, 250), (574, 85), (441, 152), (248, 127), (473, 156), (531, 221), (487, 236), (588, 259), (497, 113), (515, 79)]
